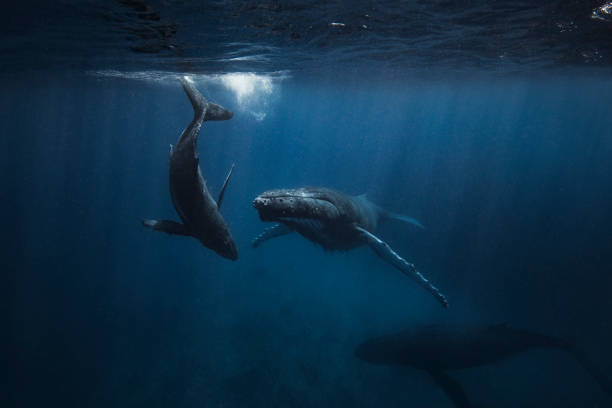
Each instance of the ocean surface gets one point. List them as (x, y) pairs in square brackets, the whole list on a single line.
[(488, 121)]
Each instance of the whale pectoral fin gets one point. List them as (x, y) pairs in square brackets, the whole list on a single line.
[(225, 185), (274, 231), (451, 388), (169, 227), (384, 251)]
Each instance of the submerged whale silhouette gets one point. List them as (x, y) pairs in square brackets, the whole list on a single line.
[(438, 348), (335, 221), (193, 203)]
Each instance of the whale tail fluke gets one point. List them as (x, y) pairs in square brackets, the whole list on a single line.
[(578, 354), (201, 106), (217, 112), (589, 365)]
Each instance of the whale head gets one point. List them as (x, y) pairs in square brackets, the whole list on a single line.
[(226, 248), (297, 204)]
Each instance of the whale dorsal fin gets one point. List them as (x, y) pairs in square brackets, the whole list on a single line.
[(389, 214), (404, 218), (224, 186)]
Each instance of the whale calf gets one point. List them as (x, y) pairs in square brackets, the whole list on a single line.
[(438, 348), (335, 221), (198, 211)]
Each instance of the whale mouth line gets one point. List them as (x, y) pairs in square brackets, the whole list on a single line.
[(312, 224), (285, 216)]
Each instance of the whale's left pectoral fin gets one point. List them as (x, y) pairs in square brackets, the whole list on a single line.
[(451, 388), (227, 179), (274, 231), (384, 251), (169, 227)]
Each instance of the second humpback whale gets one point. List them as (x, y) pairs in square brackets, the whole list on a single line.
[(438, 348), (335, 221), (198, 211)]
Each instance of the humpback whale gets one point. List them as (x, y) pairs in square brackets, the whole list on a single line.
[(438, 348), (335, 221), (198, 211)]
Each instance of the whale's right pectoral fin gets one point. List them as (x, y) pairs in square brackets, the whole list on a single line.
[(451, 388), (384, 251), (274, 231), (169, 227)]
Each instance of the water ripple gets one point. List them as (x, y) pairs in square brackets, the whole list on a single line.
[(308, 36)]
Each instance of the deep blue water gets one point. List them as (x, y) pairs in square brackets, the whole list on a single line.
[(509, 173)]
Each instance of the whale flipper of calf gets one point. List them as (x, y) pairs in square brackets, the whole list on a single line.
[(198, 211), (335, 221), (437, 349)]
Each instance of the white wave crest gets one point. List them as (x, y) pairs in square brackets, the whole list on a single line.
[(253, 91)]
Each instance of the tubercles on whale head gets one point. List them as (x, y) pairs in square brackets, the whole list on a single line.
[(274, 207), (280, 205)]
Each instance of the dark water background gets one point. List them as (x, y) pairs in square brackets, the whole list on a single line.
[(510, 173)]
